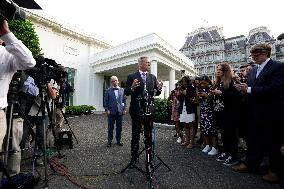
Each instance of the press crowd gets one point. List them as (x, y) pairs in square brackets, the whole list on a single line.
[(239, 115)]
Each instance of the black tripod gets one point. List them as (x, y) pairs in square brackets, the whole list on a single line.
[(42, 144), (147, 108), (66, 122), (43, 107), (14, 110), (5, 172)]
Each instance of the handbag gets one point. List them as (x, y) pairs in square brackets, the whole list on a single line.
[(218, 103)]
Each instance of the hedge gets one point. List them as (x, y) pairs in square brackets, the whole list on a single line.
[(163, 110), (79, 110)]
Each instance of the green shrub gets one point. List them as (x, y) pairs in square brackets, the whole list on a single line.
[(79, 110), (163, 109), (25, 31)]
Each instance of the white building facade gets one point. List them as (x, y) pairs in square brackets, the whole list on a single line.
[(93, 61), (70, 48)]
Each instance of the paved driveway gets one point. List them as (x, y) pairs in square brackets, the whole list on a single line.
[(93, 165)]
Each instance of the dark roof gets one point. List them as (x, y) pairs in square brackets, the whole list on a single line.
[(188, 39), (207, 36), (241, 42), (235, 37), (265, 36), (215, 35)]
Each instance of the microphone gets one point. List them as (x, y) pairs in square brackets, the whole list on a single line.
[(145, 92)]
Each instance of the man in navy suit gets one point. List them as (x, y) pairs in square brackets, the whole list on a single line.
[(135, 87), (114, 104), (265, 90)]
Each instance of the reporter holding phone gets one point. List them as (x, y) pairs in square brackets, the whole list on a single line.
[(226, 109)]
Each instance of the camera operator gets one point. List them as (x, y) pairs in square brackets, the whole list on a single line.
[(64, 89), (35, 116), (29, 92), (135, 87), (14, 56)]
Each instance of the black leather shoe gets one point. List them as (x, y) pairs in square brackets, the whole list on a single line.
[(119, 144), (109, 145), (134, 160)]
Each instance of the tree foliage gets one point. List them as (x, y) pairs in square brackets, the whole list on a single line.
[(24, 31)]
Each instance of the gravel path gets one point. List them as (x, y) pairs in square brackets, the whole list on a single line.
[(94, 165)]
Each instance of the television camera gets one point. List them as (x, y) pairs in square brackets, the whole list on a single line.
[(45, 70), (9, 11)]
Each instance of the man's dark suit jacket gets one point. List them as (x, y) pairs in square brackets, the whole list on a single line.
[(266, 101), (114, 104), (138, 92)]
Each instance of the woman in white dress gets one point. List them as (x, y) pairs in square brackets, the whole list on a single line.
[(187, 110)]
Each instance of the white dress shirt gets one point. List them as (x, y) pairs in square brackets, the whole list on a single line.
[(143, 75), (116, 92), (14, 56)]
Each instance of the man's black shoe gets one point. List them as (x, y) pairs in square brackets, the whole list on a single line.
[(119, 144), (109, 145), (134, 160)]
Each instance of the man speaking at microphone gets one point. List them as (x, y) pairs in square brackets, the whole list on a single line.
[(135, 87)]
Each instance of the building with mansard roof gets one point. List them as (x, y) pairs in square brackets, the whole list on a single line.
[(207, 47)]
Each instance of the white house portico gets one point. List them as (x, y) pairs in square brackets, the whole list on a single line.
[(92, 61), (166, 64)]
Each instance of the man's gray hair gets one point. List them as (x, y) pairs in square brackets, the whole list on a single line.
[(113, 77), (140, 60)]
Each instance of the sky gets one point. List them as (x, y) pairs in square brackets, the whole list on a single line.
[(120, 21)]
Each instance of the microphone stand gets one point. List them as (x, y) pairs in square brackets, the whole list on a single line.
[(146, 105)]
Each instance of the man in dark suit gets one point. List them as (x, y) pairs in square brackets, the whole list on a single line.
[(135, 87), (114, 104), (265, 90)]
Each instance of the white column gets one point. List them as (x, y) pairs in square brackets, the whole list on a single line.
[(154, 68), (97, 91), (82, 86), (172, 78)]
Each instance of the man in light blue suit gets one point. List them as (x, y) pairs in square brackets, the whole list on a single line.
[(114, 104)]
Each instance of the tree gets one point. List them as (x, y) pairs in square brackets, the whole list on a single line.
[(24, 31)]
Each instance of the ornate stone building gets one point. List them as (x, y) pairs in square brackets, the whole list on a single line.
[(207, 47)]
